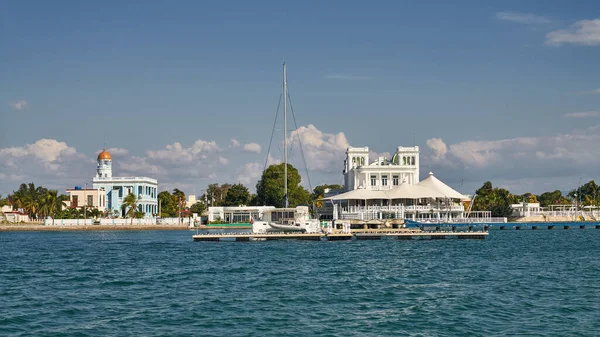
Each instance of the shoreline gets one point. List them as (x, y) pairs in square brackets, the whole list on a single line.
[(37, 227)]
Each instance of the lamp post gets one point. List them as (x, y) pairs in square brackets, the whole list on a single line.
[(84, 201), (579, 192)]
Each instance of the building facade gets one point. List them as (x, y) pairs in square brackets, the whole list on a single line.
[(381, 173), (86, 197), (112, 190)]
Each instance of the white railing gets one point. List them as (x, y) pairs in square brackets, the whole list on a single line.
[(100, 179), (463, 220), (401, 208), (595, 214), (142, 221)]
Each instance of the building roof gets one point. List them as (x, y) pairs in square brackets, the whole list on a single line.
[(104, 155), (435, 184), (431, 187), (359, 194)]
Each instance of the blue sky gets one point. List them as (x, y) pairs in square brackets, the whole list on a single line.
[(510, 88)]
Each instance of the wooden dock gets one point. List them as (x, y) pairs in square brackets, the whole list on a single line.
[(404, 235)]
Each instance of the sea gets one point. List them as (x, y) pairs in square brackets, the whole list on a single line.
[(161, 283)]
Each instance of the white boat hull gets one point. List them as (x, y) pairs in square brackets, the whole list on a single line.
[(311, 226)]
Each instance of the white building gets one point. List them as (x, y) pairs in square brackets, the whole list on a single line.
[(382, 173), (236, 214), (389, 190)]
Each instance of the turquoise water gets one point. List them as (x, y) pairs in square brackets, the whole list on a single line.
[(117, 283)]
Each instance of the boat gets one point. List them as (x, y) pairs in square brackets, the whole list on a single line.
[(286, 219), (292, 220)]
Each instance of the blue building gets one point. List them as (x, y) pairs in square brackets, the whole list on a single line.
[(114, 189)]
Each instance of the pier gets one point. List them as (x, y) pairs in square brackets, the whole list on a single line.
[(403, 235)]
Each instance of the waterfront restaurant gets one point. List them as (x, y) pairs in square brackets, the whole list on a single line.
[(387, 190)]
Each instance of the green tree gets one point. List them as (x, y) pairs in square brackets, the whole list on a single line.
[(168, 204), (198, 208), (130, 205), (552, 198), (588, 193), (269, 189), (216, 194), (319, 193), (180, 201), (236, 195), (496, 200)]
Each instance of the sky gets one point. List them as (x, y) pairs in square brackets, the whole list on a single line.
[(187, 91)]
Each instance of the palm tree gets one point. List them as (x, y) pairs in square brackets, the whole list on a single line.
[(130, 204), (52, 203), (180, 197)]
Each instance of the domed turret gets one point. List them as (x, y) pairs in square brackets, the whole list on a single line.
[(104, 165), (104, 155)]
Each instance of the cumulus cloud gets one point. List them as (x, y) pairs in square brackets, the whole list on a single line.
[(583, 114), (584, 32), (249, 174), (347, 77), (196, 161), (512, 159), (234, 143), (48, 160), (19, 105), (438, 146), (323, 151), (252, 148), (523, 18)]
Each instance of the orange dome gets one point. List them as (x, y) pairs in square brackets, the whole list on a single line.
[(104, 155)]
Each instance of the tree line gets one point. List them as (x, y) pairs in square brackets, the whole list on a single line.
[(39, 202), (498, 200)]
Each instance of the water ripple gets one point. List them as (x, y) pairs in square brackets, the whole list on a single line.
[(534, 283)]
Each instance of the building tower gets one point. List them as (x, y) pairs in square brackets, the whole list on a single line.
[(104, 169)]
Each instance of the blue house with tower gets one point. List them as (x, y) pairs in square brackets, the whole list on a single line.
[(112, 190)]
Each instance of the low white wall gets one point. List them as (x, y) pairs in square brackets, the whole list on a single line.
[(143, 221)]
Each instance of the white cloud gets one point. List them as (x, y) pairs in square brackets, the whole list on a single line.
[(438, 146), (323, 151), (19, 105), (347, 77), (116, 151), (522, 18), (595, 92), (584, 32), (583, 114), (252, 148), (249, 174), (234, 143), (534, 158), (47, 160)]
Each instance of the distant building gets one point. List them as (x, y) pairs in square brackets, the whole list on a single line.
[(13, 215), (191, 199), (112, 190), (86, 197)]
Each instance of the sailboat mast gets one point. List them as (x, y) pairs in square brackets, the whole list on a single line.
[(285, 154)]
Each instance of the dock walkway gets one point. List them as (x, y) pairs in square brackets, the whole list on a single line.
[(403, 235)]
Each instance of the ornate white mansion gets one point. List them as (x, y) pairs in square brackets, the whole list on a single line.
[(387, 189)]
